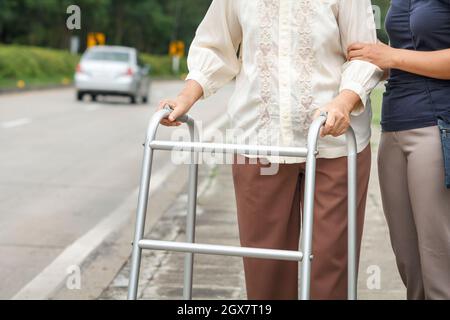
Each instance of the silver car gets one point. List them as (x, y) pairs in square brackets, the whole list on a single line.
[(116, 71)]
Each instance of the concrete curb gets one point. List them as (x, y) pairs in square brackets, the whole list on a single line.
[(63, 86), (34, 88)]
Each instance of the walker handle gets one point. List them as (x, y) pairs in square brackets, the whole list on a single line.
[(183, 119)]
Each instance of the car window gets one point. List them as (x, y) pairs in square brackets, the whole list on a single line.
[(107, 56)]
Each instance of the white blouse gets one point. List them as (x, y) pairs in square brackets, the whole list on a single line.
[(289, 59)]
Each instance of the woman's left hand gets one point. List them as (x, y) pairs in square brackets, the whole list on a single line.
[(338, 120), (339, 110), (379, 54)]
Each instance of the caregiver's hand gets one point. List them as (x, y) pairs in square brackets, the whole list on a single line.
[(339, 110), (379, 54)]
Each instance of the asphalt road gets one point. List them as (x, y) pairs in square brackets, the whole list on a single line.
[(65, 165)]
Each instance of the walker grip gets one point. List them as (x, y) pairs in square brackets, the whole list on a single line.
[(184, 118)]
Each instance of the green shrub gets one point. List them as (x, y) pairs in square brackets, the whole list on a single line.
[(377, 101), (21, 62), (162, 65)]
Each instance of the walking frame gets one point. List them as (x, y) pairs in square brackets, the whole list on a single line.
[(305, 256)]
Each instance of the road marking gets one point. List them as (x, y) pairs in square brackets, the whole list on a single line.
[(55, 274), (16, 123), (92, 108)]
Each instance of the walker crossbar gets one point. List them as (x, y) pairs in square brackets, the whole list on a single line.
[(190, 247), (221, 250), (228, 148)]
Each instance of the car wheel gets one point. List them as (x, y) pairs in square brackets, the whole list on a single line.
[(80, 96), (94, 97), (145, 100), (133, 100)]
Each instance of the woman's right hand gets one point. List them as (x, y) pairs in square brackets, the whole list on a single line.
[(180, 108), (191, 93)]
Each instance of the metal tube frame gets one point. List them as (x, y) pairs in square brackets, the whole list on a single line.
[(190, 247)]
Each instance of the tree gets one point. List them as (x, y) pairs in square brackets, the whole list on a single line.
[(148, 25), (384, 7)]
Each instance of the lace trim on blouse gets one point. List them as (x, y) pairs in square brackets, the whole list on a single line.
[(267, 57), (304, 61)]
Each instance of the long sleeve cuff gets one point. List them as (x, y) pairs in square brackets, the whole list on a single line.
[(360, 77), (199, 77), (360, 91)]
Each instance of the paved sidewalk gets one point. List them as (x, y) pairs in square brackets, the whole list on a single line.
[(222, 277)]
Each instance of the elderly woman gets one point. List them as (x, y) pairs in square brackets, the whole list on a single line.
[(289, 61), (411, 158)]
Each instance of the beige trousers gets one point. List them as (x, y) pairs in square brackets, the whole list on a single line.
[(269, 212), (417, 208)]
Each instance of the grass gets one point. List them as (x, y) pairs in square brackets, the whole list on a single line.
[(162, 66), (34, 62), (26, 66), (22, 66), (377, 100)]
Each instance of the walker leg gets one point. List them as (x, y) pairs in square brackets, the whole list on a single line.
[(191, 216), (352, 216), (190, 231), (140, 223), (308, 208), (308, 223)]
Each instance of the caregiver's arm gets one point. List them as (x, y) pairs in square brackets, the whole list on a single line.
[(433, 64)]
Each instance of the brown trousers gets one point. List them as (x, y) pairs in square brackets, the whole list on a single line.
[(269, 215)]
